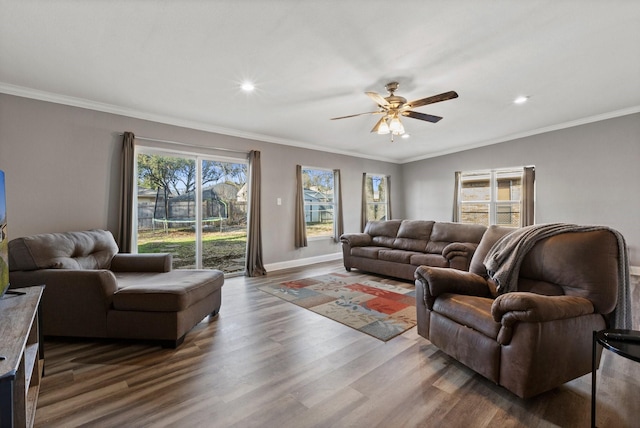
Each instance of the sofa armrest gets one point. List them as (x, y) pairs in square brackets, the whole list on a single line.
[(356, 239), (75, 302), (155, 262), (459, 254), (511, 308), (531, 307), (437, 281), (101, 279)]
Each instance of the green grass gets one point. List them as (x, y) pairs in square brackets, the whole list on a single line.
[(220, 250), (319, 229)]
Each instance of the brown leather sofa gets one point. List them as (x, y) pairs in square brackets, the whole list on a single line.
[(92, 291), (537, 337), (397, 247)]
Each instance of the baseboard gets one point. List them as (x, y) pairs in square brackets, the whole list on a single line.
[(302, 262), (633, 270)]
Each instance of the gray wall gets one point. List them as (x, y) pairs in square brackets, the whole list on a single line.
[(587, 174), (62, 172)]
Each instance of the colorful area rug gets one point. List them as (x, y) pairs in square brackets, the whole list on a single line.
[(382, 308)]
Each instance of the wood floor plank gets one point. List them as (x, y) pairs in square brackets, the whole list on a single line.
[(269, 363)]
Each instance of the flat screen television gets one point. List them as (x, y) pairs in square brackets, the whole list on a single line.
[(4, 244)]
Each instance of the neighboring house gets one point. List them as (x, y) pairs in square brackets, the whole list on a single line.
[(314, 210), (242, 194)]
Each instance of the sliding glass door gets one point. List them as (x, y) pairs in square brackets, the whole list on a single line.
[(192, 206), (224, 215)]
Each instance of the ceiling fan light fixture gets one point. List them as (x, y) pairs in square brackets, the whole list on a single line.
[(393, 106), (383, 127), (395, 126)]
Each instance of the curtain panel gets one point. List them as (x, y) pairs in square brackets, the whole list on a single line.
[(338, 229), (125, 219), (455, 216), (389, 215), (254, 265), (363, 210), (300, 232), (528, 196)]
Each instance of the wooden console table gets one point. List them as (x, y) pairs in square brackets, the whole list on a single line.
[(21, 356)]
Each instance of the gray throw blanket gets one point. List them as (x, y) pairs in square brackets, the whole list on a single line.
[(505, 257)]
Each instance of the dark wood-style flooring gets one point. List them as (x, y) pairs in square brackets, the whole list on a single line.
[(264, 362)]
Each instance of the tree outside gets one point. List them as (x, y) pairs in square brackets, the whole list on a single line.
[(376, 197)]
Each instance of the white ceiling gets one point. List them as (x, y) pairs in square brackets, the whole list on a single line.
[(181, 62)]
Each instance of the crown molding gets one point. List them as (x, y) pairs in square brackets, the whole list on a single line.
[(24, 92), (511, 137), (35, 94)]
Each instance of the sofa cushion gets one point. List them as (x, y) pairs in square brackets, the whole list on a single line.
[(165, 292), (471, 311), (457, 232), (383, 232), (367, 252), (397, 256), (574, 264), (92, 249), (413, 235), (444, 233), (490, 237)]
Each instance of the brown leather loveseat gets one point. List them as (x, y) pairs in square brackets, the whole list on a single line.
[(537, 334), (397, 247), (93, 291)]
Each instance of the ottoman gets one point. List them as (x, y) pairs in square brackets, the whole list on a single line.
[(163, 306)]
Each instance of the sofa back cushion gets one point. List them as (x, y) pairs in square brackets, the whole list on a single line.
[(91, 249), (490, 237), (582, 264), (413, 235), (444, 233), (383, 232)]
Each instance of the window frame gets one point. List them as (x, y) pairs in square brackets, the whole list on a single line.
[(198, 157), (383, 203), (332, 203), (493, 202)]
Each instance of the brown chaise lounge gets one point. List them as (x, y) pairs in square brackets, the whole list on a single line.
[(93, 291)]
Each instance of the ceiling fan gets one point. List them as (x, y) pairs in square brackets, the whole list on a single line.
[(394, 106)]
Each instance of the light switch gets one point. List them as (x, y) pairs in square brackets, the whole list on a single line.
[(279, 201)]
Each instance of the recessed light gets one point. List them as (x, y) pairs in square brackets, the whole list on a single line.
[(521, 100), (247, 87), (405, 136)]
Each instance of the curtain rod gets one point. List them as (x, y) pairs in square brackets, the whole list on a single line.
[(188, 145)]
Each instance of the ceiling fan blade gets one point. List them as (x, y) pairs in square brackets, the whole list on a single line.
[(378, 99), (354, 115), (422, 116), (378, 123), (433, 99)]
